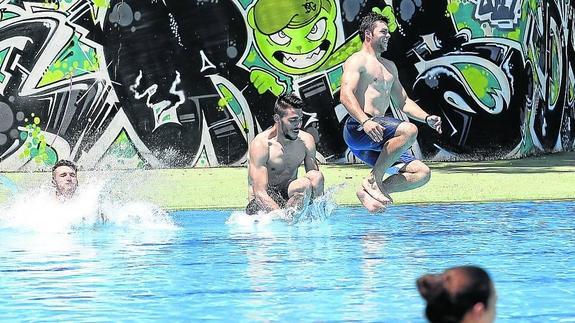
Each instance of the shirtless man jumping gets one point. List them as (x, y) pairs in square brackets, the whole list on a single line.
[(369, 84), (274, 158)]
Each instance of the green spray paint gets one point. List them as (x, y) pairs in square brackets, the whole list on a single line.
[(3, 54), (36, 147), (230, 100), (462, 13), (555, 78), (103, 4), (121, 152), (527, 145), (334, 77), (453, 6), (482, 82), (571, 91), (5, 15), (75, 60)]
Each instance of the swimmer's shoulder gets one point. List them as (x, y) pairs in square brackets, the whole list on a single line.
[(263, 136), (356, 61), (260, 143), (306, 138)]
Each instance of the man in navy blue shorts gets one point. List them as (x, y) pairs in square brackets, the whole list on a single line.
[(369, 84)]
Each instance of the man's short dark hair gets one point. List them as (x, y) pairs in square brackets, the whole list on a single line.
[(368, 21), (287, 101), (64, 162)]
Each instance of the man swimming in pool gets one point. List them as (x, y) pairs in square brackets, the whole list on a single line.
[(369, 84), (64, 180), (274, 158)]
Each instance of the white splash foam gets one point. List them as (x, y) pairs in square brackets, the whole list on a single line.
[(318, 211), (94, 204)]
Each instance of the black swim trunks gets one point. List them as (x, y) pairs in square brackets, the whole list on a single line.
[(279, 196)]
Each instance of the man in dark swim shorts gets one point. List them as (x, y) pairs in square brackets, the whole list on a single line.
[(367, 150), (369, 85), (280, 196), (275, 155)]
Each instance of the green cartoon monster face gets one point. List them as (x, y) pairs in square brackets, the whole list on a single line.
[(296, 36)]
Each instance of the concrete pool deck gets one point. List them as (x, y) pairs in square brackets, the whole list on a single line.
[(547, 177)]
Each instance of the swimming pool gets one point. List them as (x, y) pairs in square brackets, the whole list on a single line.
[(352, 266)]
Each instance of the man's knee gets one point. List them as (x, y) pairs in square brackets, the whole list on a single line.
[(407, 130), (418, 172), (425, 173), (301, 186), (315, 177)]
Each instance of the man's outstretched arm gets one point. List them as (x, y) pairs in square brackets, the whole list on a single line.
[(311, 167), (413, 110), (309, 162)]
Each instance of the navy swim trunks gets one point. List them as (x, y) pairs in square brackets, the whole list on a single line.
[(364, 148)]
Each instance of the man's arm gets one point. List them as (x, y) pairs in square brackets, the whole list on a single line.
[(349, 82), (309, 162), (258, 175), (402, 101)]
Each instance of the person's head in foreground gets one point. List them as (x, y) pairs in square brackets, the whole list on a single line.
[(64, 179), (288, 115), (460, 294), (374, 31)]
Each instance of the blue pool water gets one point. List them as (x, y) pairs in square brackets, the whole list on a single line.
[(351, 266)]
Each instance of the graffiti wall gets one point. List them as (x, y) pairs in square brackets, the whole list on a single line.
[(189, 83)]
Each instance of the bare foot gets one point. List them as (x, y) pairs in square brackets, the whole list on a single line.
[(371, 204), (370, 186)]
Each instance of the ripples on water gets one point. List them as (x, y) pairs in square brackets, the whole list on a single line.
[(65, 264)]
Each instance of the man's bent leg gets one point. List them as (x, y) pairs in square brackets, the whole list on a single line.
[(413, 175), (299, 192), (316, 179), (405, 136)]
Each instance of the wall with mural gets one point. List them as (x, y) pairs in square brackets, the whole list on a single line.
[(189, 83)]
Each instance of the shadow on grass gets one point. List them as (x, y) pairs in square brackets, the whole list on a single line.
[(552, 163)]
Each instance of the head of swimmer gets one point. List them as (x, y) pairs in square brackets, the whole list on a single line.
[(64, 179), (463, 294), (374, 31), (288, 116)]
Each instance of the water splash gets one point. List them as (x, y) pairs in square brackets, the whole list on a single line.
[(318, 211), (94, 205)]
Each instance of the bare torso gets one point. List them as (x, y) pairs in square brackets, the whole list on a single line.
[(283, 162), (375, 83)]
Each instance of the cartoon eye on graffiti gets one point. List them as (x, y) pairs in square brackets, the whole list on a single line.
[(318, 30), (280, 38)]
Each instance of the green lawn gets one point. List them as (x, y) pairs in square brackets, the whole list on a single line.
[(549, 177)]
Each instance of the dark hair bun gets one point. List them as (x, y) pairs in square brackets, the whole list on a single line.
[(430, 286)]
